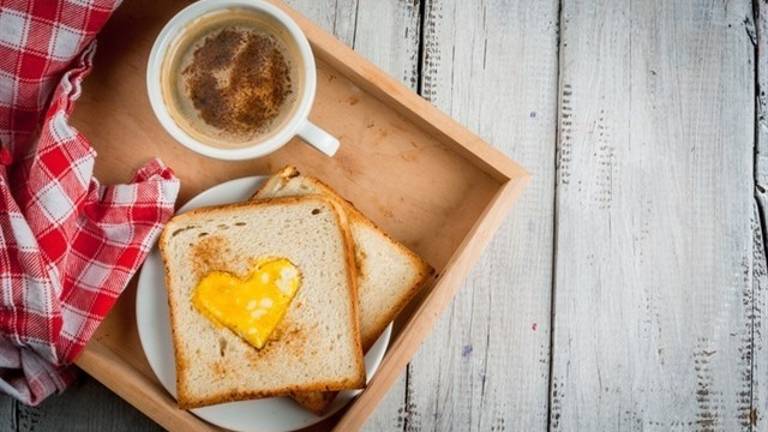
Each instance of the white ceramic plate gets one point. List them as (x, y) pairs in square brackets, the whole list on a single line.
[(152, 319)]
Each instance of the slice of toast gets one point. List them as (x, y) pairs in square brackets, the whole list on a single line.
[(389, 274), (315, 347)]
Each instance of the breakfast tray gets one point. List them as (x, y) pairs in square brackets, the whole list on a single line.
[(419, 175)]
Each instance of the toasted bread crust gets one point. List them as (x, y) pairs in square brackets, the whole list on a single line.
[(317, 402), (181, 385), (187, 401), (352, 279), (233, 396)]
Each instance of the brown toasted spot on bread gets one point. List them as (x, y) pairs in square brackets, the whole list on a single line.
[(285, 334), (360, 258), (209, 255), (254, 355), (219, 367)]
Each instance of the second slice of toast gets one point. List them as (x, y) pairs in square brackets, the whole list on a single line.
[(389, 274)]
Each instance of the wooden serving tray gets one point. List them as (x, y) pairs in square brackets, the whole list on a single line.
[(422, 177)]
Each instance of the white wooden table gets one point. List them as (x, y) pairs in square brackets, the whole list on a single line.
[(628, 290)]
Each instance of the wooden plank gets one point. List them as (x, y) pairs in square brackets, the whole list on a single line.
[(87, 405), (388, 34), (8, 418), (757, 30), (759, 34), (654, 258), (493, 67), (334, 16), (758, 353)]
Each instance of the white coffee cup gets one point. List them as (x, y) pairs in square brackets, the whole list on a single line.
[(297, 124)]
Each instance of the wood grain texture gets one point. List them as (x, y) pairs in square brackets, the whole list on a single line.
[(758, 302), (334, 16), (86, 406), (8, 418), (493, 65), (758, 32), (655, 253)]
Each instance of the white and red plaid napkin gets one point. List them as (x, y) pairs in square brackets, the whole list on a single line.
[(68, 246)]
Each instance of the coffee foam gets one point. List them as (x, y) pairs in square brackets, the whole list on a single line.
[(207, 129)]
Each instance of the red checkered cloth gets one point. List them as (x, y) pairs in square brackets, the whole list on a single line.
[(67, 245)]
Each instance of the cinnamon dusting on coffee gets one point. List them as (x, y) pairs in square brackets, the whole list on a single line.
[(238, 80)]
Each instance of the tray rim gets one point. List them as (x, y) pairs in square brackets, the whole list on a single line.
[(128, 382)]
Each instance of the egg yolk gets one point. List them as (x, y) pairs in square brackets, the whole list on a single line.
[(250, 307)]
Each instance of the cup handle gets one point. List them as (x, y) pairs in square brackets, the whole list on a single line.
[(318, 138)]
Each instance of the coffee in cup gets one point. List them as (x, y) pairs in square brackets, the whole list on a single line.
[(231, 78)]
